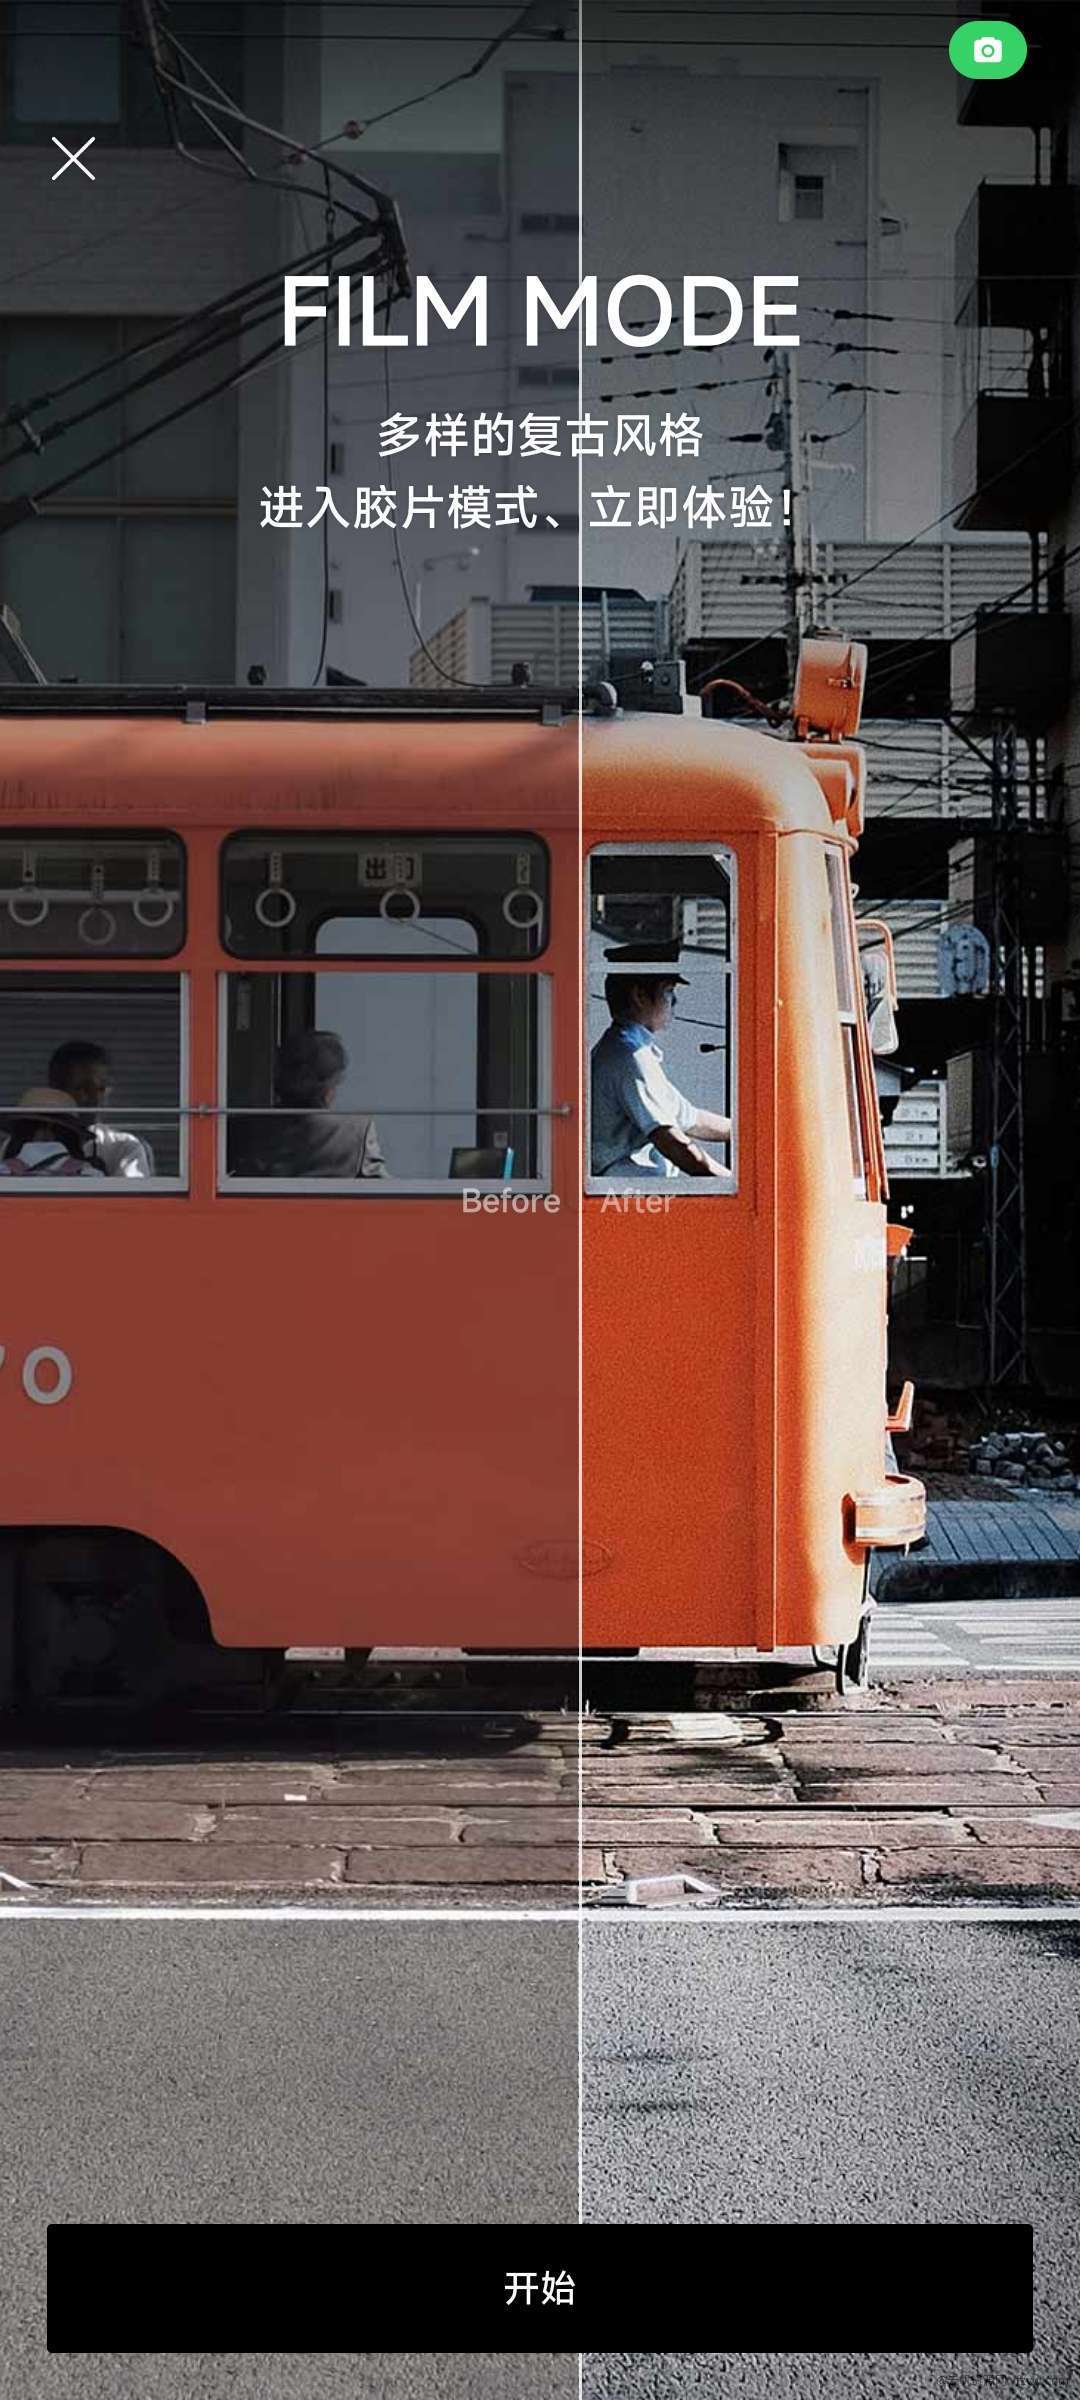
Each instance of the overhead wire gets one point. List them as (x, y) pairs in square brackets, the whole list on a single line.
[(519, 24), (222, 320), (897, 549), (210, 104), (321, 661), (982, 615), (224, 323), (458, 681), (18, 411)]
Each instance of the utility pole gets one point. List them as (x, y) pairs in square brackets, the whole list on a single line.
[(1006, 1278), (784, 433)]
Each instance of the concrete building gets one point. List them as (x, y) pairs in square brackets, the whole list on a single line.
[(553, 635), (1015, 466), (151, 566), (503, 213), (786, 167)]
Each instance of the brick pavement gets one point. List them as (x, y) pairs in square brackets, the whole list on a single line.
[(948, 1790), (960, 1790), (374, 1820)]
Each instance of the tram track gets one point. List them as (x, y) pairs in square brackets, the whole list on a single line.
[(943, 1789)]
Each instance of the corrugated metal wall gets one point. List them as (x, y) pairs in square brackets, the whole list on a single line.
[(486, 638), (922, 769), (915, 926), (721, 592)]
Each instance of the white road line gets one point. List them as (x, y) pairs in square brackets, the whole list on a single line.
[(220, 1912), (1029, 1666), (915, 1642), (922, 1632), (872, 1912), (914, 1651), (986, 1612), (1033, 1634), (919, 1658), (918, 1666), (1022, 1612), (1009, 1625), (918, 1641)]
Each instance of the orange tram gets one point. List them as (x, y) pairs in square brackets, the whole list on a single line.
[(340, 1186)]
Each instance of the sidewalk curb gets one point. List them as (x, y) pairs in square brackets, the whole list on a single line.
[(984, 1550), (931, 1579)]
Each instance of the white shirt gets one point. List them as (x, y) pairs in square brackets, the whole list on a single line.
[(119, 1153), (632, 1097)]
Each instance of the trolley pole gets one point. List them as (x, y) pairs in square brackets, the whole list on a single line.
[(1006, 1283)]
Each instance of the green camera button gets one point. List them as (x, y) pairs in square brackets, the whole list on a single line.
[(990, 48)]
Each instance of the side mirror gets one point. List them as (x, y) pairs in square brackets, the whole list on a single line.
[(877, 962)]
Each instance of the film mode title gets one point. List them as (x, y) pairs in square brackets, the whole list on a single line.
[(712, 311)]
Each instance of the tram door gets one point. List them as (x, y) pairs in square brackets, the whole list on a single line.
[(679, 1284), (387, 1066)]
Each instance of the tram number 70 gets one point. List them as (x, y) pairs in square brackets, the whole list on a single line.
[(47, 1374)]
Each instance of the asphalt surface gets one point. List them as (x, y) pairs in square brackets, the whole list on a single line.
[(374, 2375), (281, 2072), (874, 2072)]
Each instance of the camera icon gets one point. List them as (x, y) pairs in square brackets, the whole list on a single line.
[(987, 46)]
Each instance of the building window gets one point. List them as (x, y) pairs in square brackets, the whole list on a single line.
[(818, 181), (129, 575), (547, 379), (809, 196), (349, 1081), (841, 920), (65, 65), (660, 1019), (74, 64)]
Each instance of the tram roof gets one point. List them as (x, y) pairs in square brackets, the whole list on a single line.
[(217, 756), (692, 774), (502, 756)]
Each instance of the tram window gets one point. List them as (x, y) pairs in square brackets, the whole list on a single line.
[(93, 1082), (76, 895), (387, 895), (660, 1017), (844, 960), (349, 1080)]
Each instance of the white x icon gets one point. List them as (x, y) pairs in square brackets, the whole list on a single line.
[(74, 158)]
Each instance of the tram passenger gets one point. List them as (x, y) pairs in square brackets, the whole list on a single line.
[(641, 1123), (84, 1071), (53, 1141), (302, 1137)]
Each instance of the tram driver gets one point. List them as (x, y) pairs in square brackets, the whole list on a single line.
[(83, 1070), (642, 1125), (303, 1136)]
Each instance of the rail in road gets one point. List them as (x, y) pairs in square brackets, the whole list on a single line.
[(943, 1788)]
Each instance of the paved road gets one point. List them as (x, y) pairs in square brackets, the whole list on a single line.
[(161, 2072), (831, 2072), (986, 1637)]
